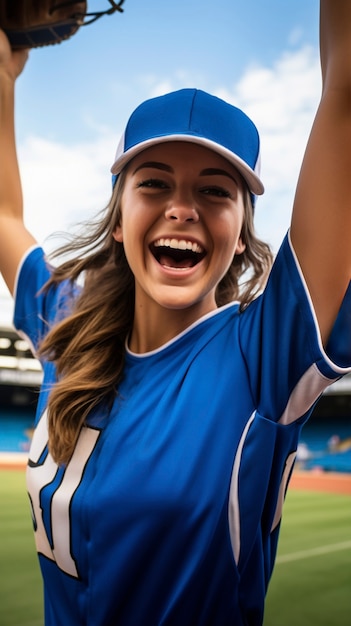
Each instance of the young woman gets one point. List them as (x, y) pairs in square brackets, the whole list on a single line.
[(176, 381)]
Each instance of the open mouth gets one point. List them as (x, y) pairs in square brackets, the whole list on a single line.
[(177, 253)]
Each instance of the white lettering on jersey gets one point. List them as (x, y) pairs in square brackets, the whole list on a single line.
[(41, 472)]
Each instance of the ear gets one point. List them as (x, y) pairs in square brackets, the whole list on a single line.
[(118, 233), (240, 246)]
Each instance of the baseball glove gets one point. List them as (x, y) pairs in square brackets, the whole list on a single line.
[(35, 23)]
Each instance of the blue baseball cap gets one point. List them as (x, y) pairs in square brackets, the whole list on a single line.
[(197, 117)]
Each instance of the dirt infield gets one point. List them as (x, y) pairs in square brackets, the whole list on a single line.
[(13, 460), (321, 481), (327, 482)]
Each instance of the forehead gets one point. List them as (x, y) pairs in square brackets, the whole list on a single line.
[(183, 154)]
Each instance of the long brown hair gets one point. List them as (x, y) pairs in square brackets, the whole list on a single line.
[(88, 346)]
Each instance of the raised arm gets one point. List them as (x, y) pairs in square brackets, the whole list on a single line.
[(321, 222), (14, 238)]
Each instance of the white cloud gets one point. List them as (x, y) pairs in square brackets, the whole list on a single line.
[(282, 101), (63, 184)]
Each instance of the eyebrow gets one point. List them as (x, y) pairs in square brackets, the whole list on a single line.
[(209, 171), (215, 171)]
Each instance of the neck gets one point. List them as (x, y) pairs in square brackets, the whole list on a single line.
[(152, 329)]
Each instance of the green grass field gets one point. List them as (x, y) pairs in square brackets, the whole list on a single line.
[(311, 583), (20, 580)]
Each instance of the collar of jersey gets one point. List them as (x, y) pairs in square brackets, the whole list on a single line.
[(169, 343)]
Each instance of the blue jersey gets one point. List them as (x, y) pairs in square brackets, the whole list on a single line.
[(168, 512)]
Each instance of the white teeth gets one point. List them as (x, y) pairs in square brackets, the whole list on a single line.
[(178, 244)]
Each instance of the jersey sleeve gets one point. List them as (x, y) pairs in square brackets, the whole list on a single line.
[(280, 339), (37, 309), (288, 369)]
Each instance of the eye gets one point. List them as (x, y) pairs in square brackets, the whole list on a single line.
[(152, 183), (218, 192)]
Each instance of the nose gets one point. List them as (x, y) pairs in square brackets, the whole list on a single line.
[(182, 211)]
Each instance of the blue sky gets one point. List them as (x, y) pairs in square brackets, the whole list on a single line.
[(73, 99)]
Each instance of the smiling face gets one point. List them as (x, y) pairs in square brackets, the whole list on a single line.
[(182, 214)]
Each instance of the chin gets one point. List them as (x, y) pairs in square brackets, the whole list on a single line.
[(182, 303)]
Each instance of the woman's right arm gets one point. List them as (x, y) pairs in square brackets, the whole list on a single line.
[(14, 237)]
